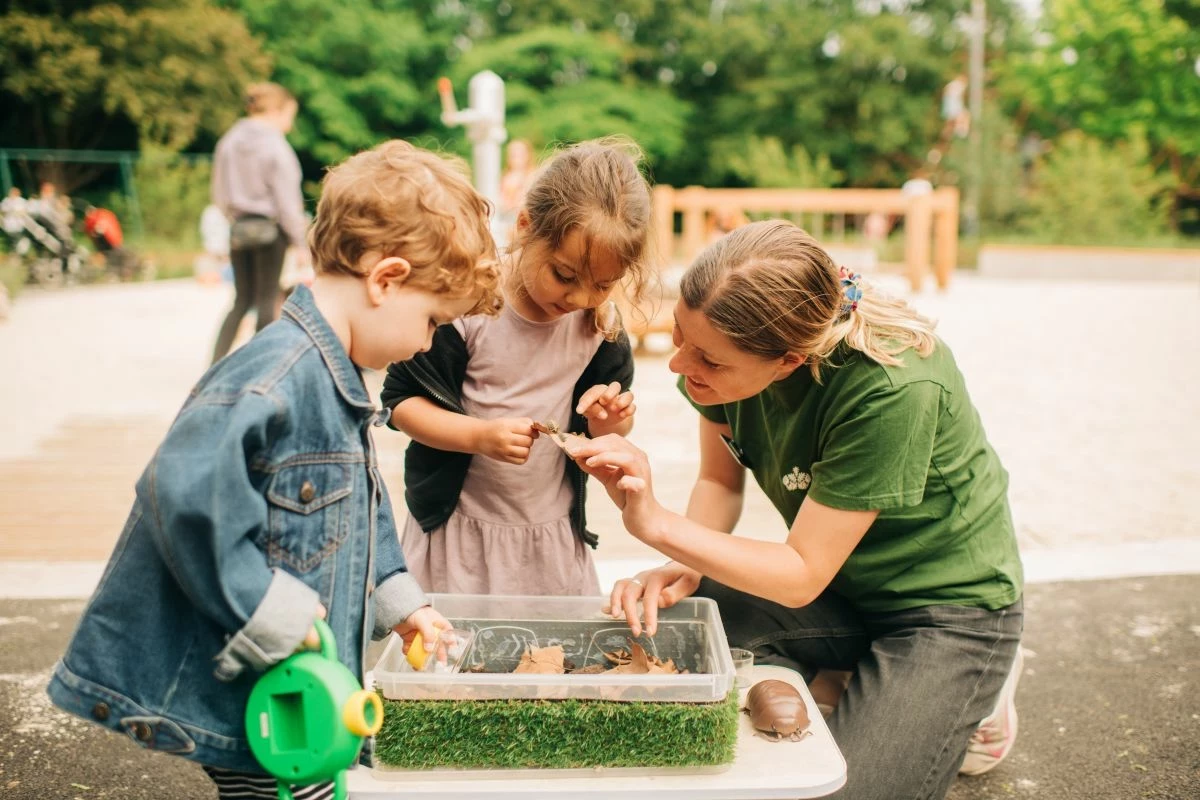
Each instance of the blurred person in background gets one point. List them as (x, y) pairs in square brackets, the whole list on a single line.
[(256, 184)]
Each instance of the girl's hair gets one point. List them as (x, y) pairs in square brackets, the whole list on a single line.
[(399, 200), (596, 188), (263, 98), (773, 290)]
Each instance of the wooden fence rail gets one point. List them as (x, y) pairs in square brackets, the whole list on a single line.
[(930, 226)]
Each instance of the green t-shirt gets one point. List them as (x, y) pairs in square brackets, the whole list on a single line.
[(904, 440)]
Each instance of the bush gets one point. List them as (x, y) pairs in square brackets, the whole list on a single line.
[(1087, 192), (1003, 195), (172, 192), (764, 162)]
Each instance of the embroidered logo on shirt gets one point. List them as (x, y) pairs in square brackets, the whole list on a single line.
[(796, 481)]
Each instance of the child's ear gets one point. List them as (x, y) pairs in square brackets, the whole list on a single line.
[(388, 273)]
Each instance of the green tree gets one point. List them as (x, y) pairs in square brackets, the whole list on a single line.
[(1116, 69), (563, 86), (362, 70), (165, 72)]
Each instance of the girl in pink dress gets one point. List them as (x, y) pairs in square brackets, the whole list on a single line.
[(494, 508)]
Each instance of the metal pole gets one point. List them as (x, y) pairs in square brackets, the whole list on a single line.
[(484, 121), (975, 88), (5, 172), (135, 207)]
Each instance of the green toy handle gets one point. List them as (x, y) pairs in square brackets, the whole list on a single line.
[(325, 634)]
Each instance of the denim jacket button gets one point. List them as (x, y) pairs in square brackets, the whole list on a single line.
[(307, 492), (142, 731), (100, 711)]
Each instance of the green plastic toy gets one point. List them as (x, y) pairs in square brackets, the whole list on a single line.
[(307, 718)]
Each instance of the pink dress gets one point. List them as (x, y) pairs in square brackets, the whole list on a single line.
[(511, 532)]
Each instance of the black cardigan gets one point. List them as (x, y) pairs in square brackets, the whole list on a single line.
[(433, 479)]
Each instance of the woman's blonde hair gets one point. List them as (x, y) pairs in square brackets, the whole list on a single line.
[(596, 188), (263, 98), (772, 290), (399, 200)]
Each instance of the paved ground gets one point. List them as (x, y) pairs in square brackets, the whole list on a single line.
[(1090, 392), (1108, 707)]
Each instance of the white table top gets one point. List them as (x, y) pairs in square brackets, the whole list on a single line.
[(761, 770)]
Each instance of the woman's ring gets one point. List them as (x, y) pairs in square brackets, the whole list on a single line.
[(635, 580)]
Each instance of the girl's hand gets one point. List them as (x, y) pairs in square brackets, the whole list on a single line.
[(427, 621), (606, 408), (657, 588), (506, 439), (625, 472)]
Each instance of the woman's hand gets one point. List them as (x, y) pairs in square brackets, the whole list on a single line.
[(506, 439), (625, 472), (607, 409), (656, 588)]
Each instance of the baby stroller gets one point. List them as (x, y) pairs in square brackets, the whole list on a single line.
[(45, 244), (103, 230)]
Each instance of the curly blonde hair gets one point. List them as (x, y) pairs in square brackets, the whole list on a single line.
[(399, 200)]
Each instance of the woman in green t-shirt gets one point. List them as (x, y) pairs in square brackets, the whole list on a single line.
[(900, 568)]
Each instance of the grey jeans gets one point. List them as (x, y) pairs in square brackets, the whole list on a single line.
[(923, 680), (256, 272)]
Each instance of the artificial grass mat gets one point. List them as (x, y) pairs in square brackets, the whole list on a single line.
[(555, 734)]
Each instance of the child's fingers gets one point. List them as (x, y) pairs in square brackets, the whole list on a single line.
[(312, 641), (623, 400), (588, 399), (598, 394)]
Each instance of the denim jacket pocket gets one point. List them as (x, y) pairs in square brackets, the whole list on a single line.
[(158, 733), (308, 515)]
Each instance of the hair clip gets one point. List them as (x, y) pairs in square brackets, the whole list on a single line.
[(851, 289)]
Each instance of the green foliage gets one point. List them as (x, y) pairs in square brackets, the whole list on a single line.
[(563, 86), (562, 734), (13, 274), (1117, 69), (358, 68), (1003, 197), (763, 161), (172, 193), (1087, 192), (172, 70)]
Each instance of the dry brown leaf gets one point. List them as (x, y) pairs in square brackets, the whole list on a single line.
[(542, 661), (642, 663), (590, 669)]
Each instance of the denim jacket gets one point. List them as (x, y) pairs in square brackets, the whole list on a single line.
[(264, 498)]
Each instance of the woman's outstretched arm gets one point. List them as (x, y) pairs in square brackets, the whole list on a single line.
[(792, 573)]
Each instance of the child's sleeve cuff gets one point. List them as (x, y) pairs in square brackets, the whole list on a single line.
[(395, 601), (277, 627)]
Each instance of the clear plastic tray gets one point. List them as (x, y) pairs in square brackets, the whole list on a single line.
[(689, 633)]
